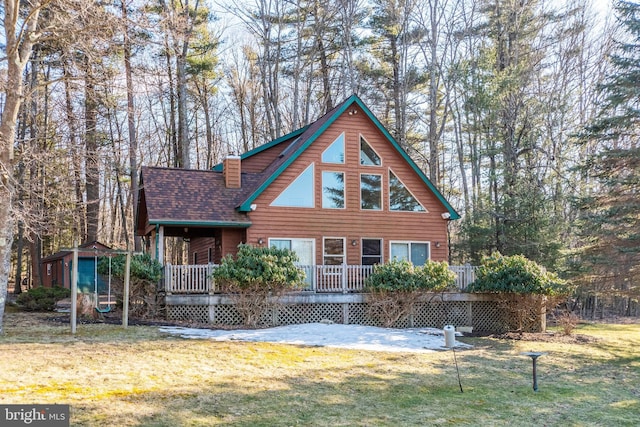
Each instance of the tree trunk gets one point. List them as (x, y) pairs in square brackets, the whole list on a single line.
[(91, 143), (80, 217), (177, 154), (35, 249), (17, 51), (183, 133), (131, 124), (433, 100)]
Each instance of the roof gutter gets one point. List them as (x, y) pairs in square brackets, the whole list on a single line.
[(168, 222)]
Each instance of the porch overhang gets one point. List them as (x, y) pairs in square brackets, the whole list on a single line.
[(185, 229)]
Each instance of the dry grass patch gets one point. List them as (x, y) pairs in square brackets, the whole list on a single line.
[(140, 377)]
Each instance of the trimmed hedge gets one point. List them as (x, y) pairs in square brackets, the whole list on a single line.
[(403, 276)]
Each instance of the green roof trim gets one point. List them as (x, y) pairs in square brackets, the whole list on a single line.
[(200, 223), (263, 147), (246, 205), (452, 212)]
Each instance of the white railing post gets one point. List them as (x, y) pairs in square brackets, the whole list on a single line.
[(345, 279), (211, 285), (168, 279)]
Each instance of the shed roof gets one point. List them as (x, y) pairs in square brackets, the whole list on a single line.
[(83, 248)]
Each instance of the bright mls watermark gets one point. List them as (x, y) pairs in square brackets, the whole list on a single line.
[(34, 415)]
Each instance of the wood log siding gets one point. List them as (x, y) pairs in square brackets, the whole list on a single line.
[(201, 246), (352, 223), (258, 163)]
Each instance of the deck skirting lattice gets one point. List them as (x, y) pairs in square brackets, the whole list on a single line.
[(484, 312)]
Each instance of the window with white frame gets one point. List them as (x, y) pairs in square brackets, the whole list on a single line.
[(300, 193), (333, 190), (371, 251), (368, 156), (371, 192), (400, 198), (302, 247), (416, 252), (334, 253), (335, 152)]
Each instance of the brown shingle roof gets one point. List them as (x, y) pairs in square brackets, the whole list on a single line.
[(193, 196)]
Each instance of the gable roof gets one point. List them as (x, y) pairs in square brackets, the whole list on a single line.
[(310, 133), (189, 197), (264, 147)]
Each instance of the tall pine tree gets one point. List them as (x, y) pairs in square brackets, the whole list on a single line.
[(609, 258), (513, 214)]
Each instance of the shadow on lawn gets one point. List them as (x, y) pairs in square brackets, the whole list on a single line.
[(593, 384), (497, 391)]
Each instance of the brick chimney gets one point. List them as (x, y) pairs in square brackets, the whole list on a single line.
[(231, 168)]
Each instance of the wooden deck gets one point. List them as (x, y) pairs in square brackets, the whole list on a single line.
[(196, 279)]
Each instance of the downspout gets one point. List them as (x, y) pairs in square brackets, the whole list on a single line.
[(157, 239)]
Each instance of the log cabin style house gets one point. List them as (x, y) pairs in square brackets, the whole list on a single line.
[(339, 192)]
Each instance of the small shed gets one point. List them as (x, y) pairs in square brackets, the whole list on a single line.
[(57, 268)]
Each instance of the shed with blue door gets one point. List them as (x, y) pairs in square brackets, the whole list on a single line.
[(57, 268)]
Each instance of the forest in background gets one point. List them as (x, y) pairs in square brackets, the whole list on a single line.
[(523, 113)]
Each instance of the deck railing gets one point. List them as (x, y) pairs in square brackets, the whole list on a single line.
[(466, 274), (196, 279), (336, 278), (189, 279)]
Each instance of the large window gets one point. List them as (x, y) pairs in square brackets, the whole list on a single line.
[(371, 192), (335, 152), (416, 252), (333, 251), (304, 248), (298, 194), (400, 198), (371, 251), (368, 156), (333, 190)]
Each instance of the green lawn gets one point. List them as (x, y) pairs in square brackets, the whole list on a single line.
[(140, 377)]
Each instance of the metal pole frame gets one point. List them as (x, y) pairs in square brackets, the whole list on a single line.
[(74, 291)]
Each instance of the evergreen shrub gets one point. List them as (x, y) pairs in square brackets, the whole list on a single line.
[(517, 274), (255, 276), (41, 298), (403, 276), (394, 288)]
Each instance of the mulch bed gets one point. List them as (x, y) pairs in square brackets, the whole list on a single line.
[(546, 337)]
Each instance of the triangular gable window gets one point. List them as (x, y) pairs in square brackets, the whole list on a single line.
[(400, 198), (298, 194), (368, 156), (335, 152)]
